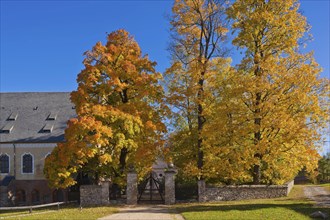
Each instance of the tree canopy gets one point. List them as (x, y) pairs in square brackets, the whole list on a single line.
[(119, 115), (268, 123), (260, 121)]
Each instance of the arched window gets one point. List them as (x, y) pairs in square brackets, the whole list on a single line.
[(35, 196), (58, 195), (4, 163), (27, 161), (47, 155), (20, 197)]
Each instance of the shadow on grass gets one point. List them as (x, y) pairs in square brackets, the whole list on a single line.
[(302, 208), (322, 199)]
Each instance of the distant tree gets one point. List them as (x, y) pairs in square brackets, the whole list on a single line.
[(324, 169), (119, 116)]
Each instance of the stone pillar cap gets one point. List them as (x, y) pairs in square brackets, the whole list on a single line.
[(170, 171)]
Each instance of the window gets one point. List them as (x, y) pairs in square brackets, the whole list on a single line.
[(20, 197), (47, 128), (35, 196), (4, 163), (47, 155), (52, 116), (58, 195), (7, 128), (27, 163), (13, 116)]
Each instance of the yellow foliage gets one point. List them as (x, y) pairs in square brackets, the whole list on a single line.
[(271, 109), (119, 106)]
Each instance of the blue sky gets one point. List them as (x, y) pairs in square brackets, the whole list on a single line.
[(42, 42)]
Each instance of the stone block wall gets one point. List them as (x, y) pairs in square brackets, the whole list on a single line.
[(94, 194), (4, 201), (227, 193), (46, 195)]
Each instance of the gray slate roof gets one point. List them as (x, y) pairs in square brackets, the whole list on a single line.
[(33, 110)]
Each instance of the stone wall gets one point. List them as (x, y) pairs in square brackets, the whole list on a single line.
[(30, 192), (94, 194), (227, 193), (29, 186), (4, 201)]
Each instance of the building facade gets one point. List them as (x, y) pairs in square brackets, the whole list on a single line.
[(31, 124)]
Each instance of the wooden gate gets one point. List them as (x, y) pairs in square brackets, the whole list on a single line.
[(151, 189)]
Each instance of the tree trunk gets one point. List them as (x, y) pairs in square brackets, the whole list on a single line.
[(257, 118), (124, 151), (257, 137), (200, 121), (122, 159), (256, 174)]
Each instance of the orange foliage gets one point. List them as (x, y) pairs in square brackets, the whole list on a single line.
[(119, 106)]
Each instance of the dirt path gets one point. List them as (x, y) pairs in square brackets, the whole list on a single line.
[(156, 212), (320, 195)]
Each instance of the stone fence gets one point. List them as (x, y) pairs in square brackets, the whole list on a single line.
[(4, 200), (94, 194), (227, 193)]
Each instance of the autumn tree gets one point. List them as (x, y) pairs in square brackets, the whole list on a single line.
[(274, 119), (198, 30), (324, 168), (119, 115)]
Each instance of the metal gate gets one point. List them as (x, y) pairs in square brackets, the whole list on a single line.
[(151, 189)]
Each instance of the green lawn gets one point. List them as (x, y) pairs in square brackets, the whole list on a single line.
[(326, 186), (67, 212), (295, 206)]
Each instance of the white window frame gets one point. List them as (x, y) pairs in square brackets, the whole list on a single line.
[(8, 164), (47, 155), (23, 161)]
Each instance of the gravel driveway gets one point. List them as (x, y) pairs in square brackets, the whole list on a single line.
[(320, 195)]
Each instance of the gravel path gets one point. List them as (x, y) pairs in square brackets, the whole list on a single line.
[(320, 195), (156, 212)]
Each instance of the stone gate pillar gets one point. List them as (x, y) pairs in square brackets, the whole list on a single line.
[(170, 187), (201, 190), (131, 191)]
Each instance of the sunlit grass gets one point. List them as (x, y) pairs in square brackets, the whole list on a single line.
[(11, 213), (295, 206), (67, 212)]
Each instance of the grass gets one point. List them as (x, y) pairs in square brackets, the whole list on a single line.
[(326, 186), (67, 212), (295, 206)]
